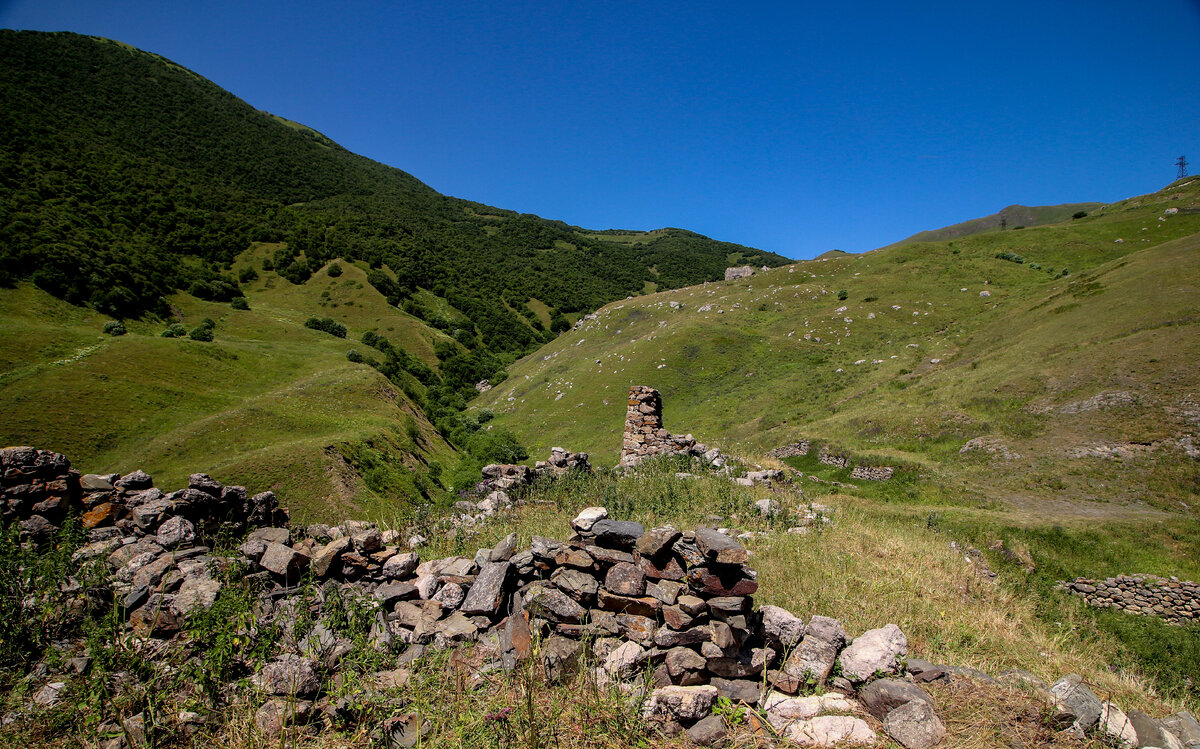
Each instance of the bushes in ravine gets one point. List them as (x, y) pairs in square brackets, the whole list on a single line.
[(326, 324)]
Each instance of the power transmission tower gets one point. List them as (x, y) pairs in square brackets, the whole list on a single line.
[(1182, 164)]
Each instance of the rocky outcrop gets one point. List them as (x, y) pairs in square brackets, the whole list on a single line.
[(733, 274), (645, 436), (1175, 601)]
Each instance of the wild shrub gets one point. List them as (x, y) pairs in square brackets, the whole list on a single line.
[(1079, 214), (204, 331), (842, 294), (175, 330), (326, 324), (114, 328), (334, 270), (247, 274), (239, 302), (354, 356)]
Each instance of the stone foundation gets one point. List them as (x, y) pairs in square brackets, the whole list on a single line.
[(1175, 601)]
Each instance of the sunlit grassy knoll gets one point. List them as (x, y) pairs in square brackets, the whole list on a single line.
[(269, 403), (734, 364)]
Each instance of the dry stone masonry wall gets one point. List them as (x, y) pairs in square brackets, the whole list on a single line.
[(665, 615), (645, 436), (1176, 601), (829, 457)]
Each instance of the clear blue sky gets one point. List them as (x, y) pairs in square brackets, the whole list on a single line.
[(792, 126)]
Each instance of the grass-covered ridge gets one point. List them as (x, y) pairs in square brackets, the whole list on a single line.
[(933, 345)]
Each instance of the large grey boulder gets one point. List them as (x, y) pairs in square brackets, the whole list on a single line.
[(882, 696), (915, 725), (816, 655), (831, 730), (487, 592), (1116, 726), (683, 704), (289, 675), (1185, 727), (1151, 733), (782, 627), (284, 561), (874, 651), (1074, 704)]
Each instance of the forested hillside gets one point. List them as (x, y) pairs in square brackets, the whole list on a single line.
[(125, 177)]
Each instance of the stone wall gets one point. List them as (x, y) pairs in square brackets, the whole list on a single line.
[(645, 436), (831, 458), (872, 473), (793, 450), (1176, 601), (667, 615)]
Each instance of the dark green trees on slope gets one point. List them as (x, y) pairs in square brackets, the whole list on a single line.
[(125, 177)]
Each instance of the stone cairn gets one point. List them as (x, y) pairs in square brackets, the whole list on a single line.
[(1175, 601), (645, 436)]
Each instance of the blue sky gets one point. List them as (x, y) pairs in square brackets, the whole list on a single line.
[(795, 127)]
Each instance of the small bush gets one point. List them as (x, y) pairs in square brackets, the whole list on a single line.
[(239, 302), (354, 356), (174, 331), (334, 270), (247, 275), (203, 331), (1011, 257), (113, 327), (326, 324), (841, 295), (268, 264), (1079, 214), (485, 415)]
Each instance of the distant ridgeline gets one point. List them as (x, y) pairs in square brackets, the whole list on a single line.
[(125, 177)]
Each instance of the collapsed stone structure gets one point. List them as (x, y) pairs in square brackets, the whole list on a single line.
[(39, 488), (645, 436), (675, 605), (837, 459), (1175, 601)]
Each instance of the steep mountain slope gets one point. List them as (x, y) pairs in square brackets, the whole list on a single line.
[(933, 345), (1012, 217), (126, 177)]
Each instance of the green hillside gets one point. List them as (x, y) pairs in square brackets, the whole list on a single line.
[(915, 362), (1013, 217), (126, 177)]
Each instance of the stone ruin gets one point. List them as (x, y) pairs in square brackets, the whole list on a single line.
[(664, 615), (645, 436), (837, 459), (733, 274), (40, 488), (792, 450), (1175, 601)]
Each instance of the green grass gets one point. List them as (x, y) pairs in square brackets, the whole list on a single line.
[(268, 404), (1123, 320)]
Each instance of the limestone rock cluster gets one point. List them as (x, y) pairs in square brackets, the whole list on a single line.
[(645, 436), (1176, 601), (733, 274)]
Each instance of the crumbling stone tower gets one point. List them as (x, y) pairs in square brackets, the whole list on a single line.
[(644, 434)]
